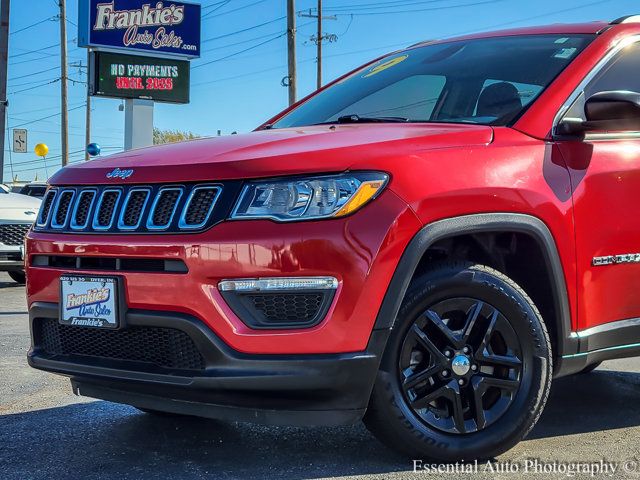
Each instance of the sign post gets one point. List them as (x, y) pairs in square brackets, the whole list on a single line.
[(138, 123), (141, 52)]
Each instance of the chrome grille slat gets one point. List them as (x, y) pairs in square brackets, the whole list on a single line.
[(80, 216), (106, 209), (62, 208), (199, 206), (164, 208), (47, 203), (133, 208)]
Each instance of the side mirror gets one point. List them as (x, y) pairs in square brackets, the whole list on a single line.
[(606, 111)]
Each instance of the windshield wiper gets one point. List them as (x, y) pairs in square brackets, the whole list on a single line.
[(358, 119)]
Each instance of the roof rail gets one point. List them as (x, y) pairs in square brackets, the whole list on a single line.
[(627, 19)]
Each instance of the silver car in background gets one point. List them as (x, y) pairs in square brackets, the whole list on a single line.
[(17, 214)]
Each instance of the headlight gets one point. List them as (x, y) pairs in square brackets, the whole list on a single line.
[(310, 197)]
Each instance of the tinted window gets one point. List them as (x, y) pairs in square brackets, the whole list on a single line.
[(622, 73), (34, 191), (411, 97), (485, 81)]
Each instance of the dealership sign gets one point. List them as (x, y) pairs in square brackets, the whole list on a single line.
[(164, 28), (132, 76)]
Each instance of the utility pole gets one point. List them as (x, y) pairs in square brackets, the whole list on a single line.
[(291, 48), (82, 69), (87, 141), (63, 82), (320, 37), (319, 75), (4, 58)]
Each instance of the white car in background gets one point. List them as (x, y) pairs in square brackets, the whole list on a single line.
[(17, 214)]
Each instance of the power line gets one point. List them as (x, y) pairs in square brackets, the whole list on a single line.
[(243, 30), (30, 83), (239, 52), (34, 73), (234, 77), (252, 39), (44, 55), (30, 52), (430, 9), (50, 19), (209, 15), (249, 40), (34, 87), (379, 5), (221, 3), (47, 117), (57, 107)]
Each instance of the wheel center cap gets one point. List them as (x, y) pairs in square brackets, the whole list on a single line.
[(460, 365)]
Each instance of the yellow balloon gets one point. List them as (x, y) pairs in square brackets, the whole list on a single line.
[(42, 149)]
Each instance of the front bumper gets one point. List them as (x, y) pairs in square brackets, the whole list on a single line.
[(270, 389), (360, 251), (11, 258)]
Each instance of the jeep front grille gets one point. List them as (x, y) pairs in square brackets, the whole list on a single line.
[(135, 208)]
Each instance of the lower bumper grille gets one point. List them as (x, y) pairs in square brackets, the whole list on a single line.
[(162, 347)]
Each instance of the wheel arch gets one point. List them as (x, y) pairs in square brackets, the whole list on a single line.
[(486, 223)]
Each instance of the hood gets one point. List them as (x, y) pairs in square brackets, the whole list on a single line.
[(20, 208), (266, 153)]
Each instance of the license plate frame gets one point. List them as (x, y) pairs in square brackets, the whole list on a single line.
[(96, 301)]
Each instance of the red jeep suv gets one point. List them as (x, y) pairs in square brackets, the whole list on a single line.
[(422, 244)]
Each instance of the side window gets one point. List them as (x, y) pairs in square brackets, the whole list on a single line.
[(412, 97), (622, 73)]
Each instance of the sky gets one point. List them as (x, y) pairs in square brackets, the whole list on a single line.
[(236, 84)]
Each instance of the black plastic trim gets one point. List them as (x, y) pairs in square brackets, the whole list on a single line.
[(109, 264), (620, 339), (319, 389), (489, 222), (240, 303), (608, 335)]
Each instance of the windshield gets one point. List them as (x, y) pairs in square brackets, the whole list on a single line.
[(486, 81)]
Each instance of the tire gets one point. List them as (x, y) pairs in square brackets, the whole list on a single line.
[(589, 368), (18, 276), (505, 374)]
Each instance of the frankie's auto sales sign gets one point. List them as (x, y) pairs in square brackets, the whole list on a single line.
[(164, 28)]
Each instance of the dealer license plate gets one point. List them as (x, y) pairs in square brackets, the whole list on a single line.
[(89, 301)]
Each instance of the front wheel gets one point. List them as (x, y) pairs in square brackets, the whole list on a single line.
[(18, 276), (467, 368)]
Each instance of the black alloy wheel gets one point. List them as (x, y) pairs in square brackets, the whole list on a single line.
[(467, 368), (460, 365)]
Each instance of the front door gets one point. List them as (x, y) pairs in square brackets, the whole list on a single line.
[(605, 173)]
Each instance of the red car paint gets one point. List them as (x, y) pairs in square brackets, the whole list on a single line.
[(437, 171)]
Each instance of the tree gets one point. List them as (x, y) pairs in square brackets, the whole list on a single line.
[(171, 136)]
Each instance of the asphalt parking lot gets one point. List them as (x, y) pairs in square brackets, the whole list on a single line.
[(47, 433)]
